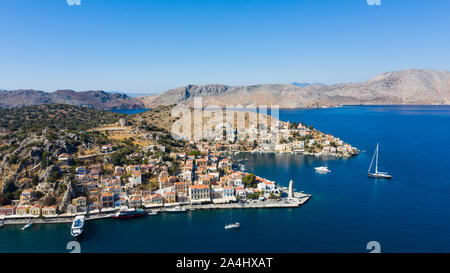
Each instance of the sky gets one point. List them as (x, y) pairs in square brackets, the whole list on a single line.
[(149, 46)]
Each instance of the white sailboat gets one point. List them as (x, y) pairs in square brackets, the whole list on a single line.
[(28, 225), (377, 174), (232, 225), (322, 169), (176, 209)]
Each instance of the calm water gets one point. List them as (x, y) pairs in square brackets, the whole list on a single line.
[(130, 111), (407, 214)]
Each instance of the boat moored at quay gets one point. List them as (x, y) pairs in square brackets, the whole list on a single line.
[(126, 213), (78, 226)]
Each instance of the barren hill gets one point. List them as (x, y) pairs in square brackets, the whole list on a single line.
[(94, 99), (411, 86)]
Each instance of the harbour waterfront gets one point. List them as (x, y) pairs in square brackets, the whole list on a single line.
[(348, 209)]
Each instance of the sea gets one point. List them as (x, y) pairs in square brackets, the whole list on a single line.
[(409, 213)]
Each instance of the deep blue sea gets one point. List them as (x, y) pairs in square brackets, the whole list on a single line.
[(409, 213), (130, 111)]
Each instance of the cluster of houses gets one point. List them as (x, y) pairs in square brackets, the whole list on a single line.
[(211, 179), (284, 137), (27, 206), (301, 139), (106, 192), (201, 179), (287, 138), (206, 178)]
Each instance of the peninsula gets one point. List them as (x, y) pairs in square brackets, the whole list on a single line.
[(57, 161)]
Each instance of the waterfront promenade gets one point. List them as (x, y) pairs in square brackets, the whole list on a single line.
[(300, 199), (283, 203)]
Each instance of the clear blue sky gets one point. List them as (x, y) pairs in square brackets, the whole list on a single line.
[(139, 46)]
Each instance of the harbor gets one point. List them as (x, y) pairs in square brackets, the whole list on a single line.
[(347, 208), (300, 199)]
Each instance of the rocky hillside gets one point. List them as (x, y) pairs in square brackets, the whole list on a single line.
[(32, 137), (53, 116), (401, 87), (94, 99)]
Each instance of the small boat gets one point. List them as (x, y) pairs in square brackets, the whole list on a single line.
[(176, 209), (77, 226), (233, 226), (150, 213), (126, 213), (28, 225), (2, 223), (322, 169), (377, 174)]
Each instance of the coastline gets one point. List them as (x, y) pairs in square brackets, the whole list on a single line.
[(140, 110), (297, 153), (299, 200)]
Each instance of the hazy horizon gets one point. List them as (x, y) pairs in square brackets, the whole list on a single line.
[(140, 93)]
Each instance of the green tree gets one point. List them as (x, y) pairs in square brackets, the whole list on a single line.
[(194, 153), (38, 195), (254, 195), (35, 180), (45, 160), (250, 180), (13, 159)]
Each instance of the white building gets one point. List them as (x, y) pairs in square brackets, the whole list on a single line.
[(268, 187), (135, 178), (291, 189), (199, 194), (228, 194)]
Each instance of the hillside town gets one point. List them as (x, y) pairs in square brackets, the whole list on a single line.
[(201, 173), (202, 179), (296, 138)]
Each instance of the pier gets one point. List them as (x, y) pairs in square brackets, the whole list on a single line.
[(298, 200), (283, 203), (287, 202)]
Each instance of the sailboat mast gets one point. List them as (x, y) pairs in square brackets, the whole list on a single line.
[(376, 162), (371, 162)]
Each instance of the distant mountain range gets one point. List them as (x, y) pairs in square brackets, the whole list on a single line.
[(93, 99), (411, 86), (305, 84)]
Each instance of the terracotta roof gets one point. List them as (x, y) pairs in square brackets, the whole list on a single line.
[(201, 186)]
